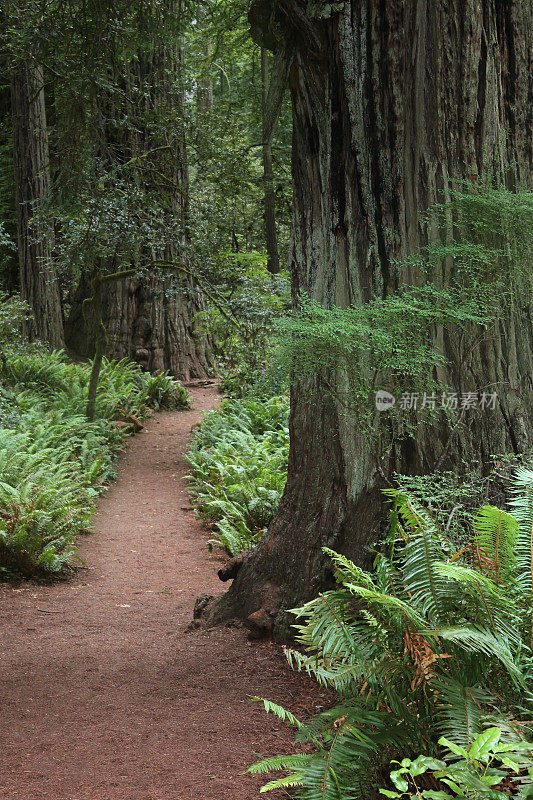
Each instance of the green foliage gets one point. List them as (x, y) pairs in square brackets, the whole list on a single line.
[(53, 462), (492, 241), (14, 312), (241, 323), (454, 498), (123, 387), (434, 642), (486, 244), (487, 768), (239, 468), (226, 168), (384, 337)]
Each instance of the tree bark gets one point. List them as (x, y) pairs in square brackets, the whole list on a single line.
[(147, 321), (100, 338), (271, 236), (152, 320), (38, 280), (391, 102)]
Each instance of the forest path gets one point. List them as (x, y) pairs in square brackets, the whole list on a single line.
[(105, 693)]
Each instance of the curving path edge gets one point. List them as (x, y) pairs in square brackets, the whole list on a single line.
[(105, 691)]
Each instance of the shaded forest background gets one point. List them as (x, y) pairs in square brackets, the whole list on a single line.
[(137, 144)]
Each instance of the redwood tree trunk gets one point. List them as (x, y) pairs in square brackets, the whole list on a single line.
[(38, 279), (153, 320), (147, 321), (391, 101), (271, 236)]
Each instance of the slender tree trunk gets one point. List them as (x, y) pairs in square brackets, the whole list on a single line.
[(271, 236), (10, 267), (204, 90), (391, 101), (38, 280)]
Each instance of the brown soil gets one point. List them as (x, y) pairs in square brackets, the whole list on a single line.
[(105, 693)]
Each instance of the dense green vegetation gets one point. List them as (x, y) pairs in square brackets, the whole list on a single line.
[(277, 195), (53, 461), (433, 643), (239, 468)]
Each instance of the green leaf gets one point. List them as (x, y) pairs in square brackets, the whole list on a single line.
[(455, 748), (432, 795), (510, 763), (398, 780), (491, 780), (485, 742), (423, 763), (453, 786), (388, 793)]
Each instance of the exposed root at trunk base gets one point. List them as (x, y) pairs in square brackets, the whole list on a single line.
[(262, 620)]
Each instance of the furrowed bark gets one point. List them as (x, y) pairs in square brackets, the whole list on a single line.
[(38, 280), (271, 236)]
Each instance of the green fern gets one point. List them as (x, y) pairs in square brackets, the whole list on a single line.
[(53, 462), (239, 468), (429, 644)]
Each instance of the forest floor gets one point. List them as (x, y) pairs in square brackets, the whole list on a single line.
[(106, 693)]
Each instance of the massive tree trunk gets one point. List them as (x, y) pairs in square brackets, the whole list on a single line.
[(149, 321), (391, 101), (38, 279), (152, 320)]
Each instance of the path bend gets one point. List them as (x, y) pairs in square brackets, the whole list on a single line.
[(105, 693)]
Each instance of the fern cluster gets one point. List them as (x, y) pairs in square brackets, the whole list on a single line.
[(433, 642), (123, 386), (239, 468), (53, 462)]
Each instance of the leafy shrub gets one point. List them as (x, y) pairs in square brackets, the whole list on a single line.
[(435, 642), (239, 468), (14, 312), (53, 462), (475, 771), (267, 380), (453, 498)]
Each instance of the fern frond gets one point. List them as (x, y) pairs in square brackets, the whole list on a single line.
[(495, 536), (276, 763), (470, 639), (460, 709), (282, 783), (480, 597), (282, 713), (522, 508), (422, 549)]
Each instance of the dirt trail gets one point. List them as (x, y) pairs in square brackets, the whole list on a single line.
[(104, 692)]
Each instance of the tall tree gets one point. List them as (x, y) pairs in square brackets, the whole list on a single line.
[(271, 235), (151, 319), (391, 102), (38, 280)]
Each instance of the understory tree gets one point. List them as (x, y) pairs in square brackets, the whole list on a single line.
[(393, 103)]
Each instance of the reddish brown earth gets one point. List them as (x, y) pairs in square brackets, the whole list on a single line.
[(105, 692)]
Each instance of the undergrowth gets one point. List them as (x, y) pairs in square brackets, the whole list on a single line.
[(53, 462), (434, 642), (239, 468)]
